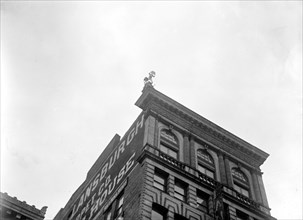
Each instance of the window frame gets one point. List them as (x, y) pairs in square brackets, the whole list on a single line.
[(168, 144), (241, 215), (178, 188), (202, 162), (160, 174), (239, 184), (119, 206), (204, 206), (179, 217), (206, 170), (168, 150), (160, 210)]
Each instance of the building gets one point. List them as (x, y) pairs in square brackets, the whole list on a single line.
[(13, 209), (172, 164)]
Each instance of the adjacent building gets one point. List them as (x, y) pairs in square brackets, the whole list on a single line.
[(13, 209), (172, 164)]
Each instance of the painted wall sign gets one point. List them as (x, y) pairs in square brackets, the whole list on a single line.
[(111, 174)]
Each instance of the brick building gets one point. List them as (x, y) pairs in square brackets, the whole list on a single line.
[(13, 209), (172, 164)]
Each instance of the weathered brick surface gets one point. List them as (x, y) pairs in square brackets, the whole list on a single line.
[(133, 194)]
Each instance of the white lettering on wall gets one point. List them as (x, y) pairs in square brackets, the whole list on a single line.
[(103, 184)]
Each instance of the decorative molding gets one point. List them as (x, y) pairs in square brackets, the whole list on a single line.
[(165, 107), (22, 208)]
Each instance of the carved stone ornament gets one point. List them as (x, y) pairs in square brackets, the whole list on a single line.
[(148, 81)]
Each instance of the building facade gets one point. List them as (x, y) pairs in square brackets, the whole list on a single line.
[(172, 164), (13, 209)]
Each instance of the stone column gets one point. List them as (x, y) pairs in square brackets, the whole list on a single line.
[(228, 172), (170, 213), (192, 196), (186, 149), (222, 169), (232, 213), (156, 133), (256, 187), (262, 190), (149, 132), (192, 152), (171, 185)]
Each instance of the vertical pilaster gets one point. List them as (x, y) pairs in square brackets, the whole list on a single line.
[(192, 195), (186, 149), (232, 213), (222, 169), (171, 185), (170, 213), (192, 151), (149, 133), (256, 187), (262, 190), (211, 206), (228, 172), (156, 133)]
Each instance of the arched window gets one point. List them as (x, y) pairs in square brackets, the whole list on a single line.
[(169, 143), (205, 163), (241, 184)]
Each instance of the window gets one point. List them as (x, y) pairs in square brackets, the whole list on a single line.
[(160, 179), (158, 212), (241, 184), (169, 136), (108, 214), (180, 190), (202, 201), (206, 171), (205, 163), (167, 150), (179, 217), (169, 143), (119, 206), (240, 189), (241, 215)]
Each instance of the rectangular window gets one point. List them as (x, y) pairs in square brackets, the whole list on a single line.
[(180, 190), (119, 206), (170, 151), (241, 215), (108, 214), (241, 190), (179, 217), (160, 179), (158, 212), (206, 171), (202, 201)]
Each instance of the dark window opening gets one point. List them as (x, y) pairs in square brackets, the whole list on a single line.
[(241, 215), (180, 190), (158, 212), (202, 201), (160, 179), (179, 217), (119, 206), (108, 213)]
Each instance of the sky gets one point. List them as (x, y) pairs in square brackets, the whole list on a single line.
[(71, 72)]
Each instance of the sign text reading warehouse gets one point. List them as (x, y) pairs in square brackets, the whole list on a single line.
[(111, 174)]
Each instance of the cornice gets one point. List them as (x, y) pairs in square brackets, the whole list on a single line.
[(22, 207), (152, 99)]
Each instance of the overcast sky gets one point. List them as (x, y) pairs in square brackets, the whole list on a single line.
[(71, 72)]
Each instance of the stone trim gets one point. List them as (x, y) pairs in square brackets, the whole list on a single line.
[(153, 99)]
